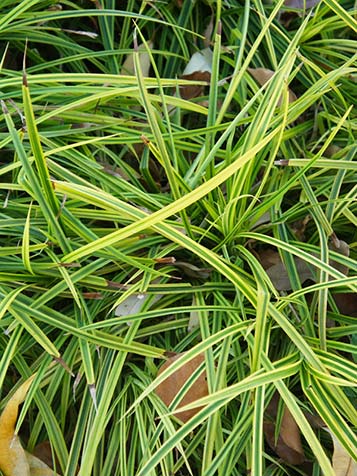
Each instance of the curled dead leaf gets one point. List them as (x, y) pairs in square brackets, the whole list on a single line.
[(170, 387)]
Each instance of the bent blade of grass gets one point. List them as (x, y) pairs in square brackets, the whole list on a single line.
[(9, 352), (320, 398), (40, 161), (34, 182), (342, 13), (231, 274), (25, 248), (169, 210), (35, 332)]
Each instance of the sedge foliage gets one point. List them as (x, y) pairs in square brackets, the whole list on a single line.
[(113, 186)]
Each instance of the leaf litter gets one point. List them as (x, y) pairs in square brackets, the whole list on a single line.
[(14, 460)]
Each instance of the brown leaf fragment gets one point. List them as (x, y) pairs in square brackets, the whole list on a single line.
[(197, 69), (38, 467), (262, 76), (288, 443), (194, 91), (43, 452), (341, 247), (170, 387), (301, 4), (342, 463), (346, 303), (278, 273), (269, 257), (299, 227), (193, 271)]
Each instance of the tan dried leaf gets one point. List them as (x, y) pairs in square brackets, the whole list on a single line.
[(196, 90), (170, 387), (14, 461), (262, 76), (128, 67), (342, 463)]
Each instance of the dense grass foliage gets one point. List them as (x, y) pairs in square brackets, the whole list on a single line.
[(135, 222)]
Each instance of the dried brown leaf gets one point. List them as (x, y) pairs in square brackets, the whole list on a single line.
[(346, 303), (262, 76), (196, 90), (342, 248), (199, 68), (301, 4), (342, 463), (279, 275), (170, 387), (288, 443)]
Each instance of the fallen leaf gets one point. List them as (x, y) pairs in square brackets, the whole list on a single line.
[(199, 68), (196, 90), (128, 67), (342, 248), (134, 303), (43, 453), (346, 303), (342, 463), (194, 321), (38, 467), (170, 387), (193, 271), (288, 443), (200, 61), (262, 76), (277, 272), (301, 4), (14, 461), (299, 227)]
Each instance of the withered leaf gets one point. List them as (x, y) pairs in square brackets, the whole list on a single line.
[(128, 67), (301, 4), (199, 68), (278, 273), (196, 90), (346, 303), (262, 76), (170, 387), (342, 463), (194, 321), (341, 247), (193, 271), (288, 443), (14, 461)]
